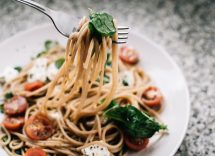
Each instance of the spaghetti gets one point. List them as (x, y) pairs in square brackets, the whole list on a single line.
[(74, 101)]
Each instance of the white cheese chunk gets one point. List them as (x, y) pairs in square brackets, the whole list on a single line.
[(38, 70), (127, 77), (95, 150), (55, 115), (9, 73), (52, 70)]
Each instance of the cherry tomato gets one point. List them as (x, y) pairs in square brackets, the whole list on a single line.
[(32, 86), (128, 55), (152, 97), (39, 127), (13, 123), (35, 152), (17, 105), (136, 144)]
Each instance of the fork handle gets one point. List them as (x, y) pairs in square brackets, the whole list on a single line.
[(36, 6)]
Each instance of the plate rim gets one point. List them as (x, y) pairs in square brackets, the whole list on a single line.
[(152, 43)]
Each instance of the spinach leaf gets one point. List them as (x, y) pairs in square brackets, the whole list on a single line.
[(8, 95), (112, 105), (50, 44), (41, 53), (18, 68), (125, 83), (2, 108), (59, 62), (106, 79), (4, 139), (19, 152), (108, 61), (134, 122), (101, 23)]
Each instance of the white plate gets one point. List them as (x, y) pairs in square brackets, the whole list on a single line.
[(164, 72)]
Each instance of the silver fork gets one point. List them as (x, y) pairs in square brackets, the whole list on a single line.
[(65, 23)]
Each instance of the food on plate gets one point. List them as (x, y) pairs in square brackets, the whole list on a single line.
[(89, 98)]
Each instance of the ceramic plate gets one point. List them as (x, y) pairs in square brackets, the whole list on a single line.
[(156, 62)]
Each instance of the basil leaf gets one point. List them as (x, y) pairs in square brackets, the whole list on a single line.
[(4, 139), (8, 95), (134, 122), (19, 152), (2, 108), (101, 23), (108, 61), (41, 53), (18, 68), (59, 62), (125, 83), (50, 44), (111, 105), (106, 79)]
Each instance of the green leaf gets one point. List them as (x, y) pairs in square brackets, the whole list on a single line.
[(2, 108), (108, 61), (111, 105), (19, 152), (124, 82), (101, 23), (8, 95), (5, 138), (18, 68), (134, 122), (41, 54), (106, 79), (59, 62), (50, 44)]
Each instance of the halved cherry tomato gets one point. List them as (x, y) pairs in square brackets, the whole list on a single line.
[(152, 97), (13, 123), (136, 144), (17, 105), (128, 55), (35, 152), (39, 127), (32, 86)]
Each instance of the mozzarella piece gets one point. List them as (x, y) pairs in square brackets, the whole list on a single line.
[(95, 150), (9, 73), (38, 70), (55, 115), (52, 71), (128, 77)]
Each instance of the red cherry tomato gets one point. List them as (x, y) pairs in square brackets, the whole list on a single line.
[(17, 105), (13, 123), (136, 144), (152, 97), (32, 86), (35, 152), (128, 55), (39, 127)]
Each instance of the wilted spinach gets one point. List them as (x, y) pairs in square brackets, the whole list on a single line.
[(59, 62), (18, 68), (101, 24), (132, 121)]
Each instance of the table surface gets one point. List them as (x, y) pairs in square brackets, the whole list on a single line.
[(185, 28)]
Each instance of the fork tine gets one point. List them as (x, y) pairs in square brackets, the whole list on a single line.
[(123, 33), (119, 42), (123, 37), (122, 28)]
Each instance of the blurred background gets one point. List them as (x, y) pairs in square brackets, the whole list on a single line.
[(185, 28)]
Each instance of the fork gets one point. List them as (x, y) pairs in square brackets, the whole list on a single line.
[(65, 23)]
